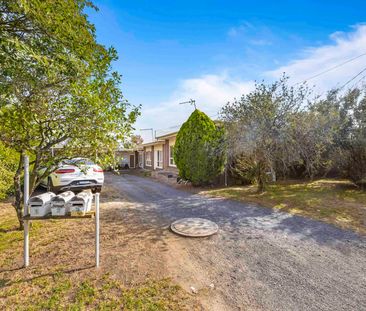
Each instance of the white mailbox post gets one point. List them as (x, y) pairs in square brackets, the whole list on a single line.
[(63, 202), (97, 229), (26, 211)]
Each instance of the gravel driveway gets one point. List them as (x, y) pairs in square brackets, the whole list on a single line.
[(261, 259)]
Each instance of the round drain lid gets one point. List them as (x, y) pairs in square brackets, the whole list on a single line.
[(194, 227)]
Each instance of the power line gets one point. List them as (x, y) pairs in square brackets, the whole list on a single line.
[(354, 77), (358, 81), (332, 68)]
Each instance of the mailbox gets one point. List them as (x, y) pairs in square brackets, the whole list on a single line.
[(59, 204), (81, 203), (40, 205)]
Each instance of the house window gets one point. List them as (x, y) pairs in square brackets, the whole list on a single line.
[(159, 158), (171, 156), (148, 158)]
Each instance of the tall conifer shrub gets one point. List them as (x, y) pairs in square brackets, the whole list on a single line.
[(199, 151)]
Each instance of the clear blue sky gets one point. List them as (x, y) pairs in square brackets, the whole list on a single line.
[(162, 43)]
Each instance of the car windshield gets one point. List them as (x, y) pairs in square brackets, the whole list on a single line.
[(78, 161)]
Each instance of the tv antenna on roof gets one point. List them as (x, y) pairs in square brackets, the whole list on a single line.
[(191, 101)]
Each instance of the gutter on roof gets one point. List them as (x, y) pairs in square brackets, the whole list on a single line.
[(168, 135), (156, 142), (125, 150)]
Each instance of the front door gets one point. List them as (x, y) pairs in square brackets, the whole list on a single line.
[(132, 161)]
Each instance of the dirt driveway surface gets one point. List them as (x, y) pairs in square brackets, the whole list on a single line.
[(260, 260)]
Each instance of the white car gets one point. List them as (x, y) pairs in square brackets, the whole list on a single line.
[(76, 175)]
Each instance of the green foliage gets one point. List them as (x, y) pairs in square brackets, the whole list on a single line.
[(259, 128), (250, 170), (276, 128), (135, 140), (57, 87), (313, 135), (9, 160), (199, 151), (355, 162), (350, 139)]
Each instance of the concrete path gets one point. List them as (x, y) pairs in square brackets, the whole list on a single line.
[(261, 259)]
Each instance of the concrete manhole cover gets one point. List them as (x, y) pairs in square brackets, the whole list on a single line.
[(194, 227)]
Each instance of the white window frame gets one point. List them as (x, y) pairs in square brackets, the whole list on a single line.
[(148, 158), (159, 159), (171, 156)]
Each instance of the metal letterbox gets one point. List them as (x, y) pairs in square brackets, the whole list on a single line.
[(81, 203), (59, 204), (40, 205)]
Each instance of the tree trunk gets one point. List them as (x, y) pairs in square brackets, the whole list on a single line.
[(33, 177), (18, 203), (261, 177), (273, 174), (261, 185)]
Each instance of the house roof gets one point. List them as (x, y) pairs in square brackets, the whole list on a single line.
[(168, 135), (125, 150), (169, 132), (153, 143)]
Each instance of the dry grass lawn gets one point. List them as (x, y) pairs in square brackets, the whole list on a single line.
[(62, 275), (338, 202)]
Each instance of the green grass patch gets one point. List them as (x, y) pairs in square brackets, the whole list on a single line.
[(93, 293), (11, 238)]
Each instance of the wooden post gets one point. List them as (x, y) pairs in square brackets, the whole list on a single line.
[(97, 229), (26, 211)]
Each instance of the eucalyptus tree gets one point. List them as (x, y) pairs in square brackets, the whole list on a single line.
[(313, 135), (57, 88), (259, 127)]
